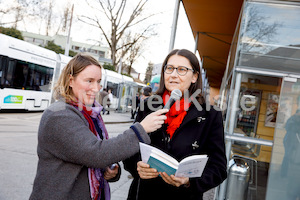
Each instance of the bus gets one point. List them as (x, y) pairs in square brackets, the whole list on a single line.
[(28, 74), (122, 87)]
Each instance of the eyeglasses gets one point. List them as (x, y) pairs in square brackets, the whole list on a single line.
[(181, 70)]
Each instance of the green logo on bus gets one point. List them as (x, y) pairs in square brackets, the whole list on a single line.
[(13, 99)]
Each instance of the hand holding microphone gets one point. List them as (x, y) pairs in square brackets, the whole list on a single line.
[(156, 119)]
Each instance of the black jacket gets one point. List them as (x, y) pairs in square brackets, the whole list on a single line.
[(201, 132)]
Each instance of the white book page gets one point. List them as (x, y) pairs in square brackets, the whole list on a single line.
[(165, 158), (193, 158), (145, 151), (192, 166)]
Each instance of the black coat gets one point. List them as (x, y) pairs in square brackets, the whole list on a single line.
[(201, 132)]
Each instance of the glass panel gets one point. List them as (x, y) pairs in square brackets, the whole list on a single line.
[(270, 37), (249, 111), (233, 49), (247, 176), (251, 117), (225, 98), (228, 112), (284, 174)]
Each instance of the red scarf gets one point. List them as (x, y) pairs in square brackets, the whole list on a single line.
[(176, 114)]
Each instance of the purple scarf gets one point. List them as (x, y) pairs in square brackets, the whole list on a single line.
[(96, 175)]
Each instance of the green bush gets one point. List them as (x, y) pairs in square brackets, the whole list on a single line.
[(108, 66), (11, 32)]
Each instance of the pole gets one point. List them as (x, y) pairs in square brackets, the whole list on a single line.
[(68, 39), (174, 25), (196, 42), (120, 66), (231, 114)]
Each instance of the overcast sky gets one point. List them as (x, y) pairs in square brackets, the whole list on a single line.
[(155, 49)]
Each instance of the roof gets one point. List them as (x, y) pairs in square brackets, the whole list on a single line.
[(215, 20)]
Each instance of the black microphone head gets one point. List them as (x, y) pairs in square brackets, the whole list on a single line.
[(176, 94)]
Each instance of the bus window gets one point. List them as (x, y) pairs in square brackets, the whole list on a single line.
[(23, 75), (19, 76), (113, 87), (10, 73), (2, 64), (3, 69)]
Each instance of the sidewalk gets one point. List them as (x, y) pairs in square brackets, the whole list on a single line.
[(115, 117)]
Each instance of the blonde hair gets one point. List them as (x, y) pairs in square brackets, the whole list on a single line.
[(76, 65)]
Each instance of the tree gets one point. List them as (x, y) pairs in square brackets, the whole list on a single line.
[(52, 46), (120, 25), (57, 49), (9, 10), (148, 73), (19, 10), (135, 52), (108, 66), (12, 32), (47, 19), (258, 30)]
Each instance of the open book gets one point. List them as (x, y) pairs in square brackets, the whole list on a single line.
[(191, 166)]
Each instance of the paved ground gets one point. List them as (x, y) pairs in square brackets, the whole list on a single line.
[(18, 141)]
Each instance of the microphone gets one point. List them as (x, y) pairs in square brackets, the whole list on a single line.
[(175, 95)]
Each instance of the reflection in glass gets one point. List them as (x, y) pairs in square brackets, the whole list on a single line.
[(248, 114), (284, 174), (270, 37)]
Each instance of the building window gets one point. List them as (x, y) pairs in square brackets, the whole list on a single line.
[(28, 39), (39, 41), (101, 54), (93, 51)]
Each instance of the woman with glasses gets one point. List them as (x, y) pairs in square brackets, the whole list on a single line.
[(191, 128)]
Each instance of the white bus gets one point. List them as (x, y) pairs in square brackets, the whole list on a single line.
[(26, 74)]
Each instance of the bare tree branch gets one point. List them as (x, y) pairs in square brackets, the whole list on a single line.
[(115, 11)]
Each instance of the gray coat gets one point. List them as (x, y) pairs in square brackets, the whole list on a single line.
[(66, 148)]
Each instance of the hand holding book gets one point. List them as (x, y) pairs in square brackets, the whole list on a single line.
[(191, 166)]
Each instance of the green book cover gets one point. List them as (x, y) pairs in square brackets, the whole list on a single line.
[(161, 166)]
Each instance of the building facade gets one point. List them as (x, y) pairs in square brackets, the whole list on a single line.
[(254, 45), (102, 54)]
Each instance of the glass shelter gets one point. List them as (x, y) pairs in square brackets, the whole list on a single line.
[(260, 100)]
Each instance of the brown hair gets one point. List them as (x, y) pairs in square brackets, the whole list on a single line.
[(196, 67), (76, 65)]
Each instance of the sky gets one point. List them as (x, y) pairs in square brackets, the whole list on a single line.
[(155, 49)]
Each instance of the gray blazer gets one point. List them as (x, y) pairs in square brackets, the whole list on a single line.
[(66, 148)]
